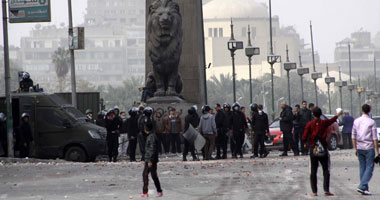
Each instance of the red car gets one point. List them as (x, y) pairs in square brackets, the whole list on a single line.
[(333, 137)]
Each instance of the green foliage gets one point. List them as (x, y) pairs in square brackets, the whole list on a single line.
[(61, 60)]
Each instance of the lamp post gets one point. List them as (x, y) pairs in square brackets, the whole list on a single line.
[(376, 96), (315, 75), (351, 86), (328, 81), (302, 71), (272, 59), (340, 84), (234, 45), (249, 52), (360, 90), (72, 60), (289, 66)]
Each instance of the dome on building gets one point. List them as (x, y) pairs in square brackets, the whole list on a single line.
[(225, 9)]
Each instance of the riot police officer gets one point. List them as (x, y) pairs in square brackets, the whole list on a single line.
[(238, 126), (133, 132), (112, 126), (221, 138), (26, 136), (228, 115), (89, 116)]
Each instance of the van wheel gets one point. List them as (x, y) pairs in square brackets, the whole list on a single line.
[(333, 144), (75, 154)]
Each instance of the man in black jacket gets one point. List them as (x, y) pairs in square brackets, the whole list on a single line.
[(26, 136), (228, 115), (260, 126), (3, 134), (151, 156), (305, 117), (221, 138), (112, 126), (193, 119), (286, 126), (238, 127), (133, 132)]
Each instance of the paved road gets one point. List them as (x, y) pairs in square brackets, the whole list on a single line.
[(270, 178)]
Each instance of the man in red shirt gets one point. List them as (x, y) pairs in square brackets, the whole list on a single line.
[(316, 131)]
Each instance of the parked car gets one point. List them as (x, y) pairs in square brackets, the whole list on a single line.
[(377, 120), (334, 137)]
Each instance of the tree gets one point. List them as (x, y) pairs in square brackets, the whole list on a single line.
[(61, 59)]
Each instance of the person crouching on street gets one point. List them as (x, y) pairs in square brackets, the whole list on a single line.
[(151, 156), (112, 126), (207, 127), (316, 130), (365, 142)]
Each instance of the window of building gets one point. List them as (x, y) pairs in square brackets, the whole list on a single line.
[(215, 32), (210, 32), (131, 42), (105, 43), (220, 32), (253, 32), (117, 43)]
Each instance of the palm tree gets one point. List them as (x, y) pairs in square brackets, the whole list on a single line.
[(61, 59)]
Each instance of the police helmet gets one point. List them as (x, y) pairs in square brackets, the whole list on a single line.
[(226, 105), (25, 75), (88, 111), (148, 111), (206, 108), (254, 107), (236, 106), (24, 115), (111, 111), (3, 118)]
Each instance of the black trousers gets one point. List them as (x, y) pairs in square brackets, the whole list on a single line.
[(189, 147), (347, 140), (153, 173), (298, 132), (288, 139), (132, 149), (164, 143), (221, 142), (259, 141), (175, 142), (232, 144), (314, 163), (142, 141), (24, 150), (239, 139), (113, 146)]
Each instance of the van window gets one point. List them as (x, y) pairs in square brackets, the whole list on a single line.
[(50, 116)]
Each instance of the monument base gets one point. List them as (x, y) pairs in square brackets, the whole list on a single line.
[(165, 100)]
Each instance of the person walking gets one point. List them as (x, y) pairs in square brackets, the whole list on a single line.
[(305, 117), (260, 124), (365, 142), (222, 138), (347, 123), (286, 126), (316, 131), (174, 126), (193, 119), (238, 127), (298, 129), (151, 156), (207, 127)]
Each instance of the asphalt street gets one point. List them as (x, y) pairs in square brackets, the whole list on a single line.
[(269, 178)]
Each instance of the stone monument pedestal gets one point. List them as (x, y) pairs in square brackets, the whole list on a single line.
[(165, 100)]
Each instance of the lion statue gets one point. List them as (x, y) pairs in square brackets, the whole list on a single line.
[(165, 46)]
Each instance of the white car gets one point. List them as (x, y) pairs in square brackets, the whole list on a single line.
[(377, 120)]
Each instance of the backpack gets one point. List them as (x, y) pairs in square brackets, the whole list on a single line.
[(319, 150)]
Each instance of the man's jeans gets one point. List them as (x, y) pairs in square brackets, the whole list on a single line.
[(366, 161)]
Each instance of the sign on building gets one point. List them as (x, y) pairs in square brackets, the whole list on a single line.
[(23, 11), (76, 38)]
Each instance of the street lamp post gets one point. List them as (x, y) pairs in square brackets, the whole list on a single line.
[(233, 45), (289, 66), (249, 52), (302, 71), (328, 81), (272, 59), (72, 59), (376, 94), (351, 86), (360, 90), (315, 75), (340, 84)]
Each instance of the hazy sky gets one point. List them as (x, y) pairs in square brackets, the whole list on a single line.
[(333, 20)]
